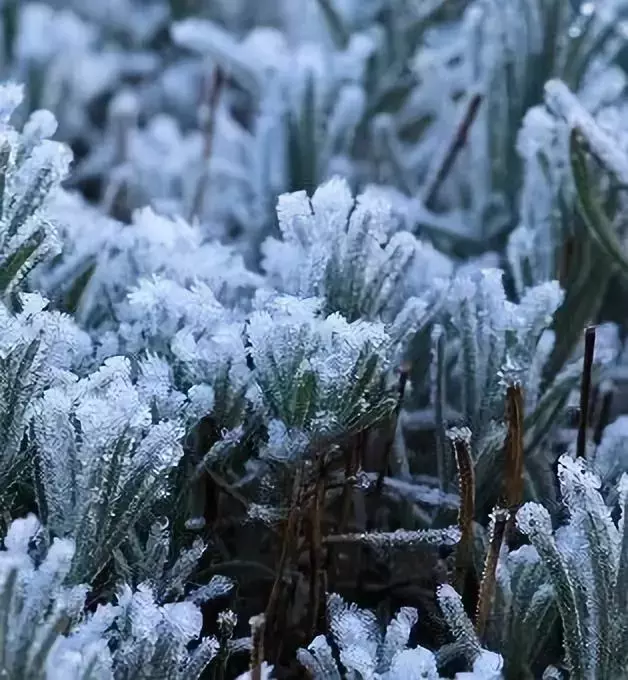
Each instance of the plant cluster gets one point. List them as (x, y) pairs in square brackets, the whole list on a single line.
[(313, 359)]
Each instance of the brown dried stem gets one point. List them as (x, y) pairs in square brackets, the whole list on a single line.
[(503, 516), (316, 546), (585, 391), (403, 383), (258, 624), (466, 480), (286, 549), (456, 145), (499, 520), (212, 89), (513, 477)]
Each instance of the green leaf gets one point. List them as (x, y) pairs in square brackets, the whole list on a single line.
[(14, 263), (596, 221), (338, 31)]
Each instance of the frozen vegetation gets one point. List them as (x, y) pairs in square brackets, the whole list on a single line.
[(313, 354)]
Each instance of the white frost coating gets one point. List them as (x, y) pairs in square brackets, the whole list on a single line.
[(265, 673), (33, 603), (413, 664), (533, 518), (101, 422), (566, 105), (348, 251), (320, 355)]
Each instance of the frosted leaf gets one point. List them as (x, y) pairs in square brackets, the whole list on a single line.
[(33, 168), (38, 349), (20, 533), (610, 459), (458, 622), (413, 664), (537, 133), (537, 307), (169, 252), (365, 649), (533, 518), (283, 443), (35, 601), (155, 384), (305, 366), (565, 104), (218, 586), (201, 401), (39, 126), (150, 637), (497, 343), (356, 633), (102, 423), (184, 619), (488, 665), (11, 96), (397, 635), (266, 673), (318, 660), (143, 612), (346, 250)]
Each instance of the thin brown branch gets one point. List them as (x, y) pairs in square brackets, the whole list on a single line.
[(383, 471), (513, 474), (211, 91), (460, 441), (352, 462), (258, 624), (456, 145), (286, 549), (499, 520), (503, 515), (585, 391), (316, 547)]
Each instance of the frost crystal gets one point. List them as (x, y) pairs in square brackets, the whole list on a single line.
[(306, 363), (102, 462)]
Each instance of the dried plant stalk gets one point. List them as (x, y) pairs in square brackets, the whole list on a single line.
[(258, 624), (513, 477), (499, 520), (585, 390), (286, 549), (456, 144), (316, 545), (403, 382), (503, 515), (461, 443)]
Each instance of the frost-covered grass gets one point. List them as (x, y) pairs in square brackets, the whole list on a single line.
[(313, 349)]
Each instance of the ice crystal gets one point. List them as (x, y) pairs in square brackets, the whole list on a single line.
[(102, 463)]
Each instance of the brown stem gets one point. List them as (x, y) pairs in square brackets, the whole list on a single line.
[(212, 88), (513, 477), (258, 624), (403, 383), (383, 469), (585, 390), (289, 535), (352, 462), (499, 520), (316, 548), (503, 516), (456, 144), (466, 480)]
